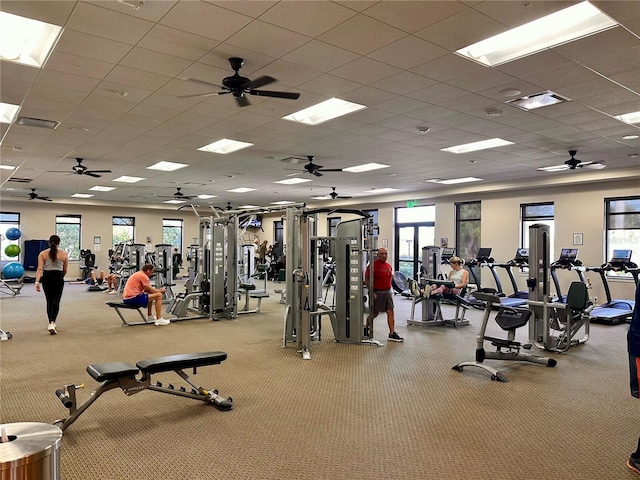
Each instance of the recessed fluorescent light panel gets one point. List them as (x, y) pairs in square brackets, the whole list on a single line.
[(630, 118), (376, 191), (225, 146), (205, 197), (26, 41), (282, 202), (7, 167), (81, 195), (167, 166), (538, 100), (454, 181), (8, 112), (475, 146), (564, 26), (99, 188), (126, 179), (241, 190), (366, 167), (324, 111), (174, 201), (326, 197), (293, 181), (248, 206)]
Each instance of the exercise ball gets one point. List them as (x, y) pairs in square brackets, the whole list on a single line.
[(12, 250), (13, 233), (13, 270)]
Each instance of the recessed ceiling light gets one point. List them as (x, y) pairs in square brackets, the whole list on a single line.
[(127, 179), (248, 206), (8, 112), (381, 190), (563, 26), (26, 41), (99, 188), (325, 197), (176, 201), (7, 167), (324, 111), (537, 100), (205, 197), (282, 202), (225, 146), (167, 166), (293, 181), (81, 195), (241, 190), (630, 118), (630, 137), (365, 167), (475, 146), (454, 181)]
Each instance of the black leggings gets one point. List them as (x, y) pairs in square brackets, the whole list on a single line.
[(52, 282)]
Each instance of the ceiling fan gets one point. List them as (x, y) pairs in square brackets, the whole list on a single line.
[(178, 195), (34, 196), (81, 169), (574, 163), (335, 195), (239, 86), (315, 169)]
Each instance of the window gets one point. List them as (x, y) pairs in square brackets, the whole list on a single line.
[(415, 229), (468, 216), (332, 226), (172, 233), (278, 232), (540, 213), (623, 228), (68, 229), (8, 220), (123, 229)]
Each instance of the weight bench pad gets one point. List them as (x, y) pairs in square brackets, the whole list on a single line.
[(122, 305), (178, 362), (111, 371), (259, 295)]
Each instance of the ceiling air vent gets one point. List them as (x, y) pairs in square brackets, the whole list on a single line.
[(37, 122), (538, 100), (20, 180)]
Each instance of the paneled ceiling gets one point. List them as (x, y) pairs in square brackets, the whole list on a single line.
[(115, 82)]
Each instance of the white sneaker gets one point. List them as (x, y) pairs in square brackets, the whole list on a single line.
[(163, 321), (106, 291), (113, 292), (413, 286), (151, 318), (52, 328), (427, 291)]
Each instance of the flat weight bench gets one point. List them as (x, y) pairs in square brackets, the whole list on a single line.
[(117, 306), (124, 375)]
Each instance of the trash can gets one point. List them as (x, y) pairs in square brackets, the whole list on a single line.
[(30, 451)]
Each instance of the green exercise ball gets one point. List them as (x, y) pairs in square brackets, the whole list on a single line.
[(12, 250)]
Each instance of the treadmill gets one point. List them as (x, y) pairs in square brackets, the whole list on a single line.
[(614, 310), (521, 260), (484, 259), (568, 260)]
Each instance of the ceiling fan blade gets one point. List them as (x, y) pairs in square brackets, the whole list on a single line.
[(267, 93), (202, 82), (46, 199), (330, 169), (316, 173), (91, 174), (202, 95), (259, 82), (98, 171), (243, 101)]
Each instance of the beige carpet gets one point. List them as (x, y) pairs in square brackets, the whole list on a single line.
[(351, 412)]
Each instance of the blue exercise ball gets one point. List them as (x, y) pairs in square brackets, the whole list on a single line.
[(13, 233), (13, 270)]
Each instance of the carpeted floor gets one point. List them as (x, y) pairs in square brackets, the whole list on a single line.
[(351, 412)]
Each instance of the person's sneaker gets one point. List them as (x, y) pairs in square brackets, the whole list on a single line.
[(367, 332), (413, 285), (394, 337), (151, 318), (162, 321), (107, 291), (113, 292), (426, 293), (52, 328), (634, 462)]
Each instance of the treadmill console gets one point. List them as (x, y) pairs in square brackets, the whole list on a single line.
[(620, 258), (522, 256), (484, 255), (568, 258), (447, 253)]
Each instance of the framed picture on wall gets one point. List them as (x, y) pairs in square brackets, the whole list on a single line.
[(577, 239)]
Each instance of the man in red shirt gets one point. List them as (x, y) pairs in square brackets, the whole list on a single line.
[(139, 293), (382, 297)]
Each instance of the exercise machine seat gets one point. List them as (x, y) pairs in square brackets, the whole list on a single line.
[(176, 362)]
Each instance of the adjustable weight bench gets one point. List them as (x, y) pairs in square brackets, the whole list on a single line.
[(117, 306), (124, 375)]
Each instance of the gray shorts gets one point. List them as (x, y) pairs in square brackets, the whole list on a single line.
[(383, 302)]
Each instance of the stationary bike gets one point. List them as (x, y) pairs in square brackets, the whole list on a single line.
[(509, 319)]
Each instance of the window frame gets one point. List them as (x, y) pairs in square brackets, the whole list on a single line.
[(73, 251)]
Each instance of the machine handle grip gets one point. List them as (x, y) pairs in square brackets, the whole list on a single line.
[(66, 401)]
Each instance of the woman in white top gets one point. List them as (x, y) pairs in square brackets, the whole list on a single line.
[(458, 275), (52, 267)]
